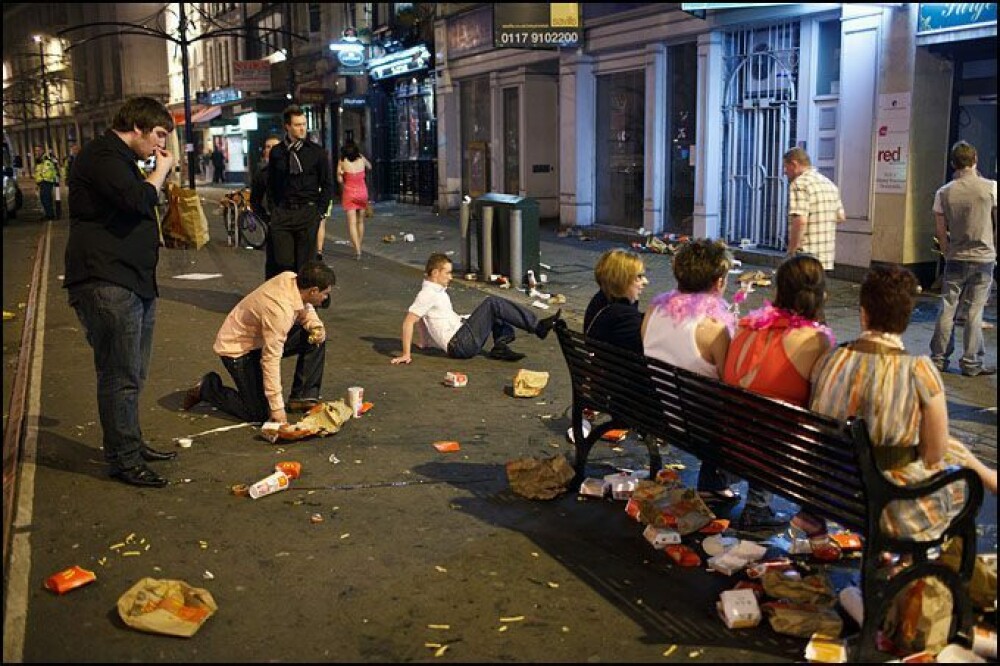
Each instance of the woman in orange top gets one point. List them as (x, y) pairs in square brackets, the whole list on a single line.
[(773, 352)]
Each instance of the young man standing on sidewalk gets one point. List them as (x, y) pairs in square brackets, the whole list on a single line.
[(965, 215), (432, 309), (47, 179), (300, 186), (111, 259)]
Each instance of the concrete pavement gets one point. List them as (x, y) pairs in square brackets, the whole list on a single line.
[(410, 537)]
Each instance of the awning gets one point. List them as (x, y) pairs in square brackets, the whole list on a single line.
[(202, 115), (206, 114)]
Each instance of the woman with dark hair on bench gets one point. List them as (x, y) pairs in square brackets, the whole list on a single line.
[(901, 398), (773, 353)]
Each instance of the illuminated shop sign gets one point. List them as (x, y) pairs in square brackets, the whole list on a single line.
[(945, 16), (401, 62)]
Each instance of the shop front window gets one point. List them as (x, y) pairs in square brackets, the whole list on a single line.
[(621, 117), (682, 85), (476, 121)]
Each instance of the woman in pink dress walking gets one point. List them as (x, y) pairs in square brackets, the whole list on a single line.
[(351, 175)]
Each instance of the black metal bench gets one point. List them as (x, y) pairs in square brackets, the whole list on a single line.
[(825, 466)]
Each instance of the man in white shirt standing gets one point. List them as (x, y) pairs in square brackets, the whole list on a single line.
[(446, 330)]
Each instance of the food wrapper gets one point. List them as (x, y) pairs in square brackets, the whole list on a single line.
[(758, 569), (529, 384), (690, 510), (633, 508), (169, 607), (848, 541), (326, 418), (69, 579), (668, 477), (646, 490), (616, 435), (815, 590), (447, 446), (456, 379), (727, 563), (716, 526), (536, 478), (682, 555), (802, 620), (983, 586), (826, 650), (661, 537), (290, 468), (657, 513), (919, 618), (739, 609), (622, 485)]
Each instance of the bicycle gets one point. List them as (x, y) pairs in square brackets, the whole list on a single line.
[(241, 222)]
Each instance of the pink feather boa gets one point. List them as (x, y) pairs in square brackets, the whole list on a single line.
[(769, 316), (680, 307)]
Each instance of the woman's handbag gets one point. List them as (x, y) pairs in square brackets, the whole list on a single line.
[(369, 210)]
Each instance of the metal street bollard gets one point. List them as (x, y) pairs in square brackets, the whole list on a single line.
[(465, 250), (486, 245), (516, 269)]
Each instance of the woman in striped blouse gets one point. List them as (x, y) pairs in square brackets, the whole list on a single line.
[(901, 398)]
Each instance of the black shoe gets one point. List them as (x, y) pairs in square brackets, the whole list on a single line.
[(504, 353), (192, 397), (319, 256), (546, 325), (149, 454), (764, 518), (140, 475), (301, 404), (979, 372)]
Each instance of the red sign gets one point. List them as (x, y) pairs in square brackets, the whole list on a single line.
[(252, 75)]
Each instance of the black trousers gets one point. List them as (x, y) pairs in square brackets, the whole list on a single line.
[(247, 401), (291, 239)]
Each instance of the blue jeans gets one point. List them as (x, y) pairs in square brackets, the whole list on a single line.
[(45, 190), (967, 283), (119, 328), (247, 401), (494, 316)]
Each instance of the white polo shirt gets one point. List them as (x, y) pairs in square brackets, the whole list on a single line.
[(433, 306)]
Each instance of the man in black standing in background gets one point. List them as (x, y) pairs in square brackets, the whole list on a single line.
[(111, 257), (300, 186)]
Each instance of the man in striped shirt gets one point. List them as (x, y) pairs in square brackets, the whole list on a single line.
[(814, 209)]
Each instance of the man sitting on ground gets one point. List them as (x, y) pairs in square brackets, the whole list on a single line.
[(446, 330), (275, 320)]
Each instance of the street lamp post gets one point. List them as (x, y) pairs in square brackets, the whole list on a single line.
[(45, 93)]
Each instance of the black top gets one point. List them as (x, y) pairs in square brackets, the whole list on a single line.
[(258, 194), (615, 321), (313, 185), (113, 232)]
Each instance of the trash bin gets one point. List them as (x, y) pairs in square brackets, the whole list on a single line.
[(502, 239)]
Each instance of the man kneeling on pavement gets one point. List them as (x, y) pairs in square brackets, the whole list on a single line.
[(276, 320), (446, 330)]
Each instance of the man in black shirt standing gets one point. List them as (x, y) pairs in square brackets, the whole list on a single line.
[(300, 186), (111, 259)]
